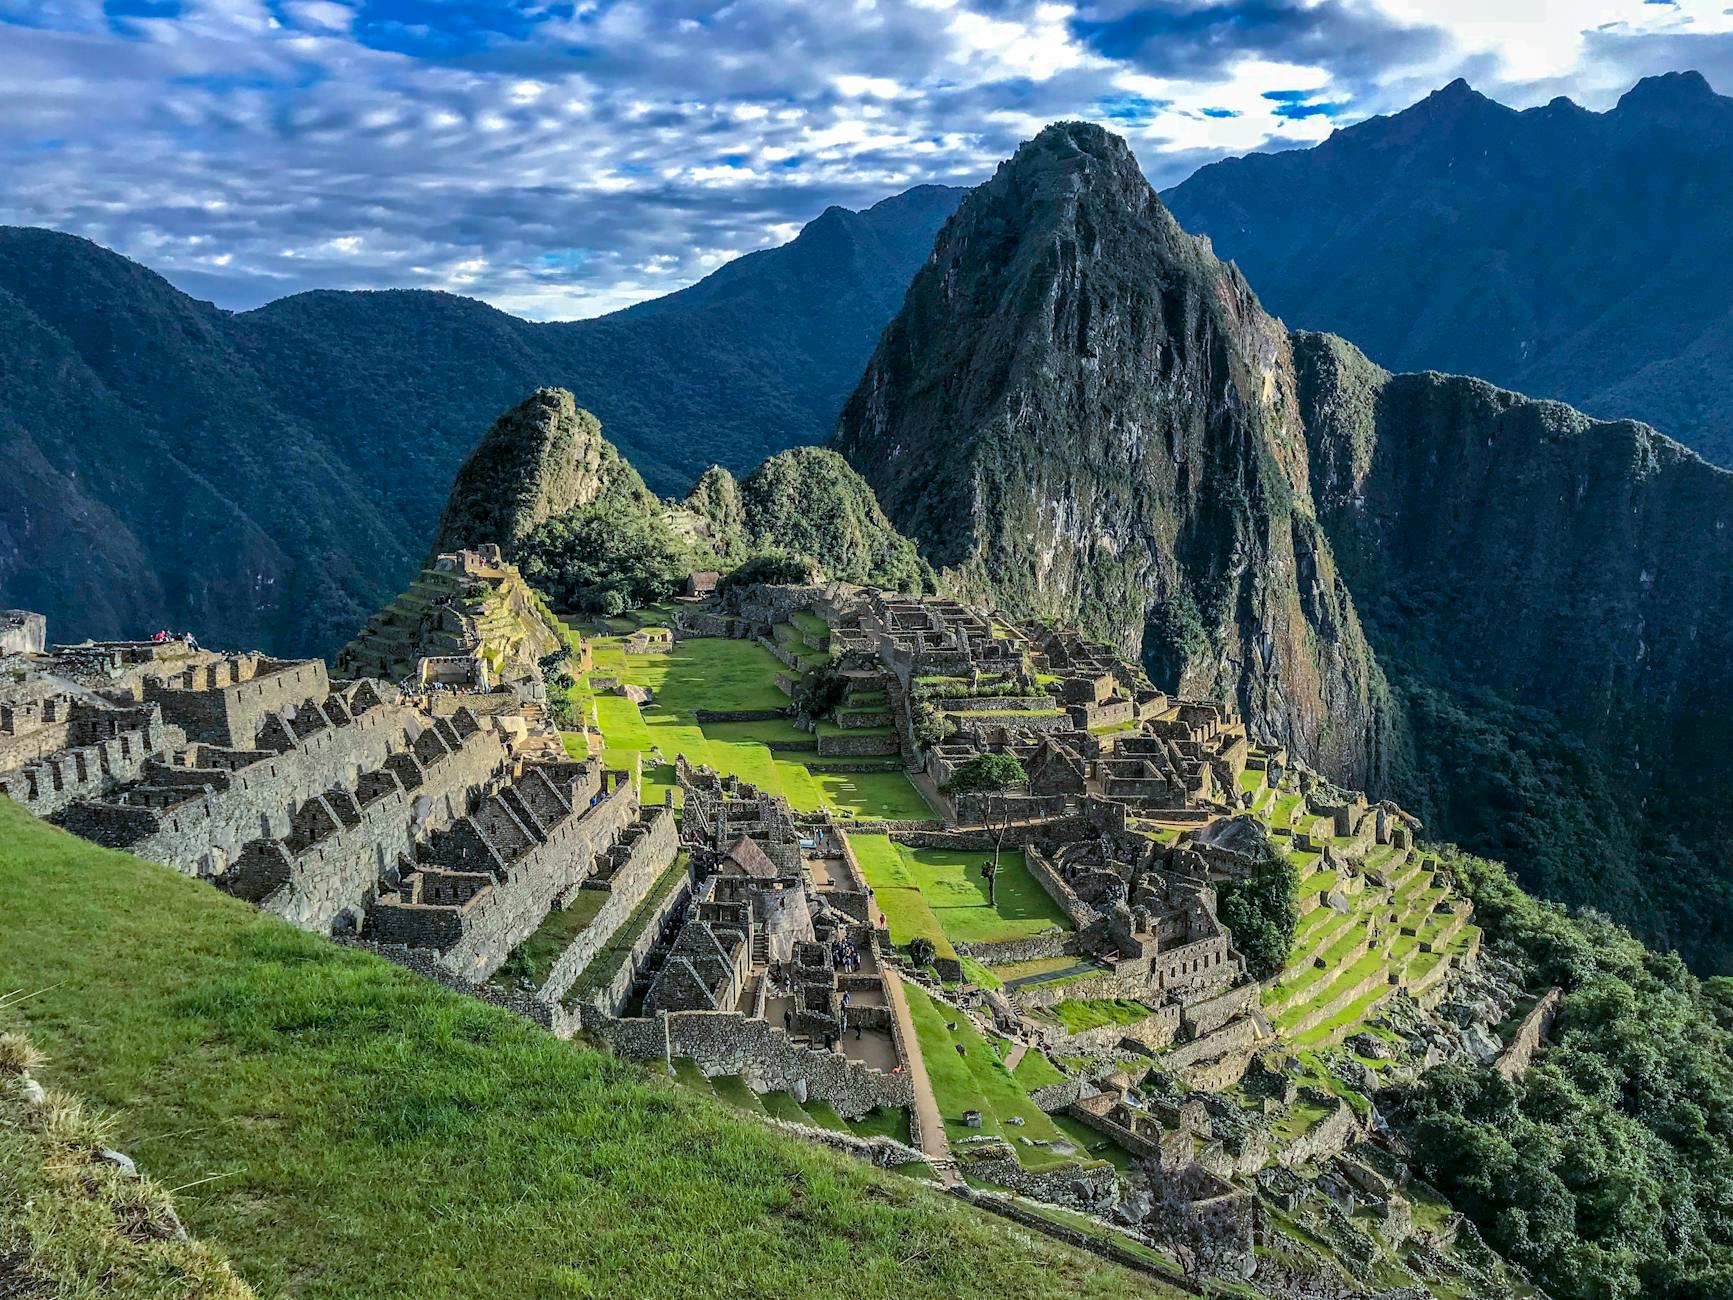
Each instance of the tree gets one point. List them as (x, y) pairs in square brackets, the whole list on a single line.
[(991, 776), (922, 952), (1261, 914)]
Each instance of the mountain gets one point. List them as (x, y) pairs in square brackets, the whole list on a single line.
[(269, 478), (1507, 615), (542, 458), (1082, 414), (1552, 597), (561, 500), (1569, 254)]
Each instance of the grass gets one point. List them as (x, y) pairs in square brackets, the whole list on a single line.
[(721, 675), (954, 893), (1091, 1013), (976, 1079), (367, 1133), (606, 964), (532, 958), (73, 1226)]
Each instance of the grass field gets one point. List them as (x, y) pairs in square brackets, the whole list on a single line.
[(342, 1128), (721, 675), (952, 894)]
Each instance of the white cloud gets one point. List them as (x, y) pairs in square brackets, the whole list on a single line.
[(584, 160)]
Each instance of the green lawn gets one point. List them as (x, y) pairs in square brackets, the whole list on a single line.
[(952, 889), (723, 675), (976, 1079), (342, 1128)]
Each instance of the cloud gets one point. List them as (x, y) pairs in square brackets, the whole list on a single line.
[(567, 157)]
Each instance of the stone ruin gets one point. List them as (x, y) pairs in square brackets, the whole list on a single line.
[(347, 808)]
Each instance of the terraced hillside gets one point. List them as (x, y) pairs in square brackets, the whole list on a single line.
[(447, 611), (1376, 919)]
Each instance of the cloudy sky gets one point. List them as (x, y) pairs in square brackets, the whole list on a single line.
[(563, 159)]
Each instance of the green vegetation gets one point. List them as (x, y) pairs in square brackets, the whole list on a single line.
[(989, 773), (722, 675), (531, 960), (950, 895), (72, 1225), (1261, 912), (809, 502), (976, 1079), (331, 1106), (1606, 1170), (1078, 1014)]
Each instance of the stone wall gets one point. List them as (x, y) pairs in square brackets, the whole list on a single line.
[(516, 905), (22, 632), (596, 1007), (1049, 943), (1330, 1136), (202, 836), (1047, 876), (330, 882), (726, 1042), (1235, 1036), (1211, 1013), (650, 856), (55, 782), (843, 744), (213, 706), (1514, 1061), (1088, 1188), (1155, 1031)]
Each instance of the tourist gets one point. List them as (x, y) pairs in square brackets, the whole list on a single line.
[(190, 642), (160, 637)]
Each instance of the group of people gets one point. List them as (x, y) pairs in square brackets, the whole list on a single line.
[(844, 956), (163, 636)]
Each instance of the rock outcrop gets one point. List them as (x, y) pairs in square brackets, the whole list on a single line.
[(1082, 414)]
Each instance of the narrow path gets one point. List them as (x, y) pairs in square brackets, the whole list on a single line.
[(1015, 1056), (1085, 969), (934, 1144)]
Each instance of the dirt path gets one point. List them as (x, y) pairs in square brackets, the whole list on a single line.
[(934, 1144), (1015, 1056)]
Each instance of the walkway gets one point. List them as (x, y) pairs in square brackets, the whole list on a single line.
[(934, 1144), (1015, 1056)]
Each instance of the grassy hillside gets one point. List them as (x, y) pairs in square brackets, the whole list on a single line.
[(366, 1133)]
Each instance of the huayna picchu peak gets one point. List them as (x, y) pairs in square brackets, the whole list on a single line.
[(1127, 795), (1082, 414)]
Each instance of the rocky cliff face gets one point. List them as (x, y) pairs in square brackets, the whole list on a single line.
[(1554, 596), (1082, 414), (540, 459)]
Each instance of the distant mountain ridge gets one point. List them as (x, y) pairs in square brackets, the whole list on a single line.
[(1560, 252), (269, 478)]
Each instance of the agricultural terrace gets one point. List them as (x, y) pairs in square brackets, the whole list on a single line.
[(726, 676)]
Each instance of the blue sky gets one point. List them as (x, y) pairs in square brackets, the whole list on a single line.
[(563, 158)]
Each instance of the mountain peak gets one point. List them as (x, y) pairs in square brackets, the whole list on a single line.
[(1668, 92)]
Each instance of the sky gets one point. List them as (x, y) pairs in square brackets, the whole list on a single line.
[(565, 159)]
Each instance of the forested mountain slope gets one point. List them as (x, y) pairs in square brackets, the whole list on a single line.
[(269, 478)]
